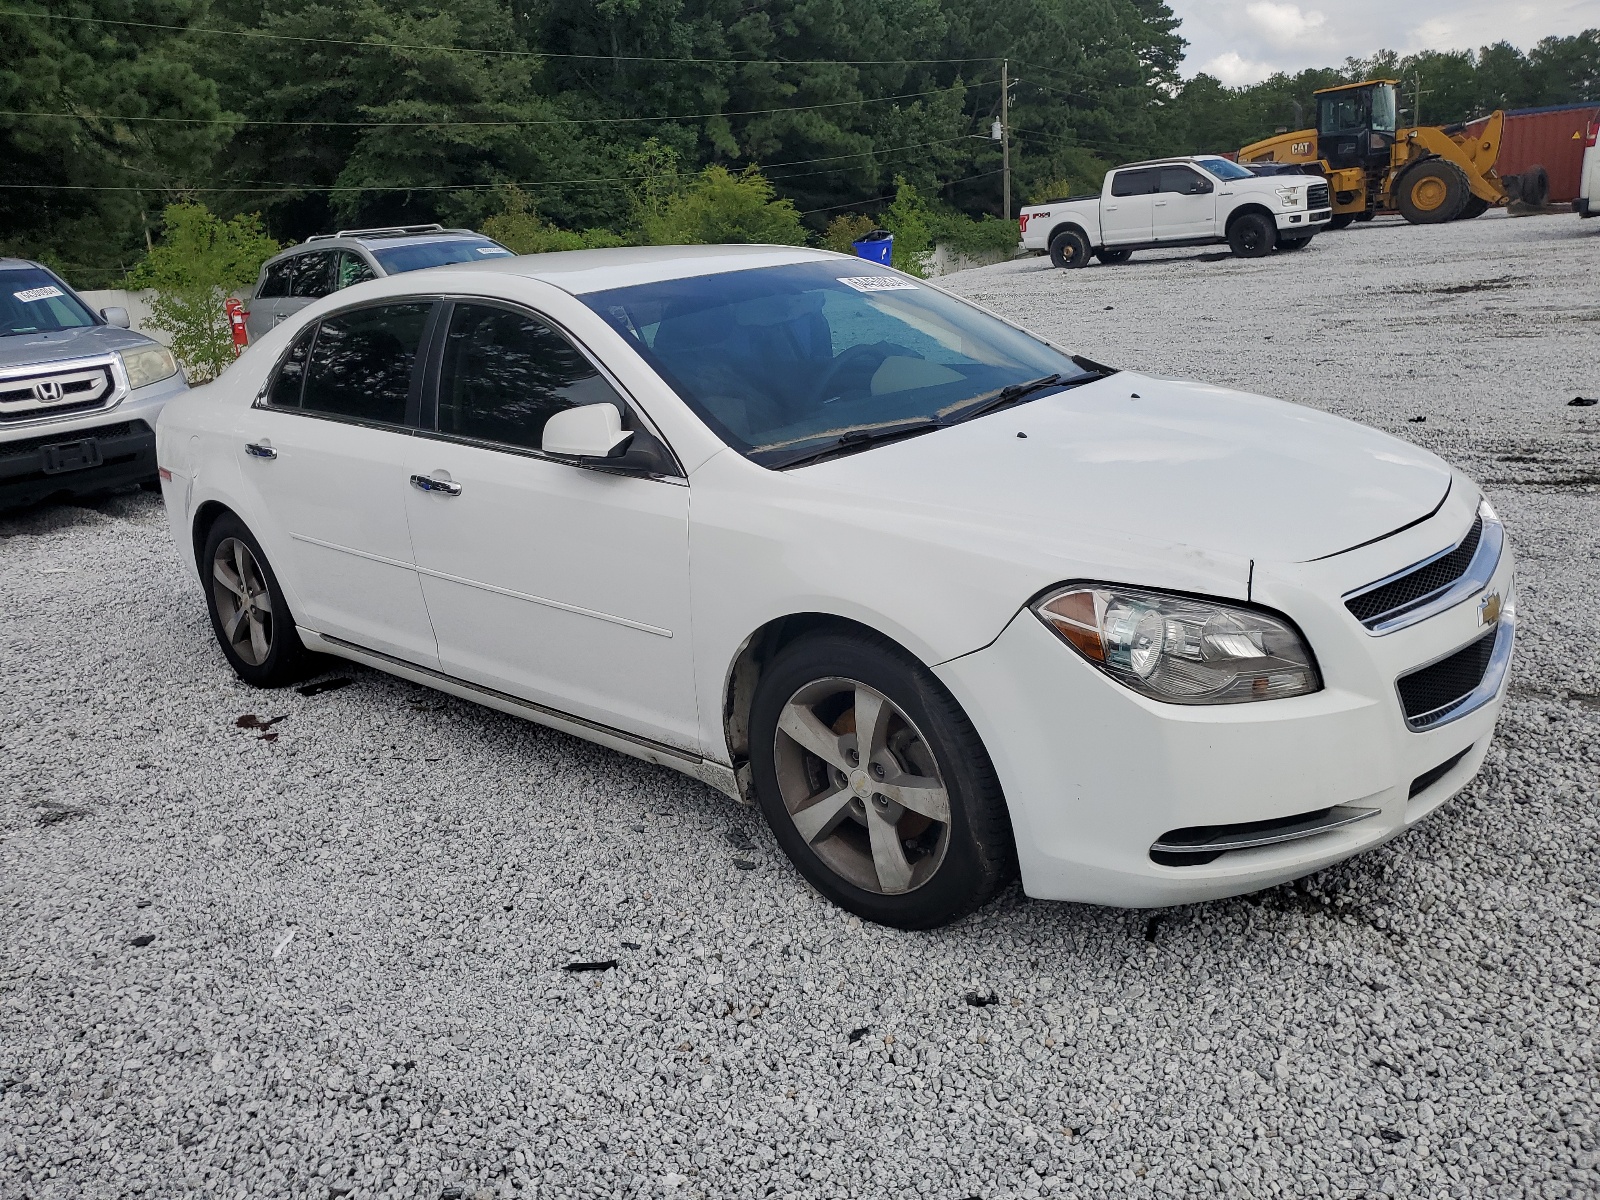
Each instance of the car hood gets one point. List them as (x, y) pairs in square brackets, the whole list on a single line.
[(26, 349), (1163, 461)]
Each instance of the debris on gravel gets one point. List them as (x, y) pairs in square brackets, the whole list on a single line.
[(356, 981)]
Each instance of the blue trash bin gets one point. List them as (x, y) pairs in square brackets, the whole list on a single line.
[(877, 246)]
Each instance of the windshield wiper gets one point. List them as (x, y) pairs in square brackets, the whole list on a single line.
[(1012, 393), (856, 439)]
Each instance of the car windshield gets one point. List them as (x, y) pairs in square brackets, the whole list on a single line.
[(1223, 169), (780, 359), (439, 252), (33, 301)]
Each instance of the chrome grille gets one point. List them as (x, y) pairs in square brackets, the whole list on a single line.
[(1317, 196), (48, 392), (1431, 695), (1438, 582)]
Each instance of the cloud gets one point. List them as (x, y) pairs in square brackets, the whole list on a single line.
[(1286, 25), (1234, 70)]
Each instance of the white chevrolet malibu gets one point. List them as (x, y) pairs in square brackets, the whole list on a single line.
[(946, 601)]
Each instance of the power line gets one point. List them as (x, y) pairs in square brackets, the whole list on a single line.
[(890, 195), (243, 121), (369, 45)]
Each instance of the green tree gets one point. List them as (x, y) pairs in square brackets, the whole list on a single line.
[(200, 261), (721, 206), (911, 222)]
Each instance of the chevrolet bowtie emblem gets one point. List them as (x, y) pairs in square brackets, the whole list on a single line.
[(1489, 609)]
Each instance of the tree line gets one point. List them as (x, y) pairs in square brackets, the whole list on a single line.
[(569, 118)]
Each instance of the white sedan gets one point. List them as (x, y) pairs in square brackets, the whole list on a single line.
[(946, 601)]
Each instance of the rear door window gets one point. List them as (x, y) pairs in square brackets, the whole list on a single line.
[(1183, 181), (314, 275), (353, 269), (363, 363), (277, 282), (284, 391), (506, 373), (1134, 183)]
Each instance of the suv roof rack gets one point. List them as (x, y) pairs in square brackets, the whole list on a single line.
[(386, 231)]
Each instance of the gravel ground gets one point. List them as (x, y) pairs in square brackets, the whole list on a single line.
[(329, 950)]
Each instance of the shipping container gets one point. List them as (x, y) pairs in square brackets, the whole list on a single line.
[(1551, 138)]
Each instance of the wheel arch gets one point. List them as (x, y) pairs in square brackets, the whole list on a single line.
[(744, 673), (1250, 206), (1075, 227), (207, 515)]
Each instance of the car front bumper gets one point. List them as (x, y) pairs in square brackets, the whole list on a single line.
[(44, 460), (1302, 221), (1095, 775)]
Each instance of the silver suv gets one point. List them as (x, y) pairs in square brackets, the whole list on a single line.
[(79, 391), (327, 262)]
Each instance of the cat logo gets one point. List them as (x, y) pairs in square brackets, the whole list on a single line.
[(1300, 148)]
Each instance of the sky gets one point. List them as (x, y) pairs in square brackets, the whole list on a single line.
[(1244, 41)]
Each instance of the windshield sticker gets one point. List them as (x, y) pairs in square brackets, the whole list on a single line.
[(879, 283), (38, 293), (496, 250)]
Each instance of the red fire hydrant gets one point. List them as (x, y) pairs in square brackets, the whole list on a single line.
[(236, 316)]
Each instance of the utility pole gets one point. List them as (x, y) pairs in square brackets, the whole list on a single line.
[(1005, 136)]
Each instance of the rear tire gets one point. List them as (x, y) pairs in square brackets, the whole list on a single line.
[(249, 614), (1069, 250), (1431, 192), (1252, 235), (1112, 257), (926, 862)]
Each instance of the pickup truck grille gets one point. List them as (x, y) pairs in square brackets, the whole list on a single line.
[(46, 392), (1317, 196)]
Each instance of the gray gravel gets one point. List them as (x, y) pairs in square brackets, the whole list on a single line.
[(326, 957)]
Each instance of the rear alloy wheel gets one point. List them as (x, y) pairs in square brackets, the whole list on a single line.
[(1112, 257), (875, 783), (1432, 192), (1252, 235), (1069, 249), (248, 612)]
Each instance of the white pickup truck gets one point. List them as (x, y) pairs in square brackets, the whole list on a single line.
[(1179, 202)]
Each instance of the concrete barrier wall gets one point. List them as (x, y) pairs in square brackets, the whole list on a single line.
[(137, 304)]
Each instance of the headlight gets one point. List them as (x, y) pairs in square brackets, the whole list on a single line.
[(149, 365), (1288, 196), (1180, 650)]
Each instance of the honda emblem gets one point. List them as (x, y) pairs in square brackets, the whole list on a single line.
[(48, 391)]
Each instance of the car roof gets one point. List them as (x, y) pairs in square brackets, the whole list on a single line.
[(370, 238), (19, 264), (1162, 162), (581, 271)]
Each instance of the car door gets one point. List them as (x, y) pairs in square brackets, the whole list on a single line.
[(547, 580), (324, 449), (266, 306), (1128, 214), (1185, 205)]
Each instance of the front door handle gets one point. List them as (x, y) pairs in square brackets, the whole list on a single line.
[(257, 450), (428, 483)]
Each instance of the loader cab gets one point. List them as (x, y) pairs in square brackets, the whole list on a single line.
[(1356, 124)]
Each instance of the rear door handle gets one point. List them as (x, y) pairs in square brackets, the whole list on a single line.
[(428, 483), (257, 450)]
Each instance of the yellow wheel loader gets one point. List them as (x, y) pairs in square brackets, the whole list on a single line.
[(1428, 174)]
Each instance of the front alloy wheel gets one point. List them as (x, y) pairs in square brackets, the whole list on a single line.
[(861, 786), (875, 783)]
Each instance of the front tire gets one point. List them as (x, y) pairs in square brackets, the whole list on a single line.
[(875, 783), (1252, 235), (249, 614), (1432, 192), (1069, 250)]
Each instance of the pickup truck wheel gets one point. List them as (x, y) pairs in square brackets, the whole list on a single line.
[(1113, 256), (1252, 235), (1069, 249)]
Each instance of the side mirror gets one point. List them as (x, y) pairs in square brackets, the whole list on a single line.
[(116, 316), (588, 431), (1201, 187)]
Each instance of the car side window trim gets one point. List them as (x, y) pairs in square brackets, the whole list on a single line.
[(428, 424), (413, 415)]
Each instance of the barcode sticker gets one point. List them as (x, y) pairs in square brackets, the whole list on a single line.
[(879, 283), (38, 293)]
